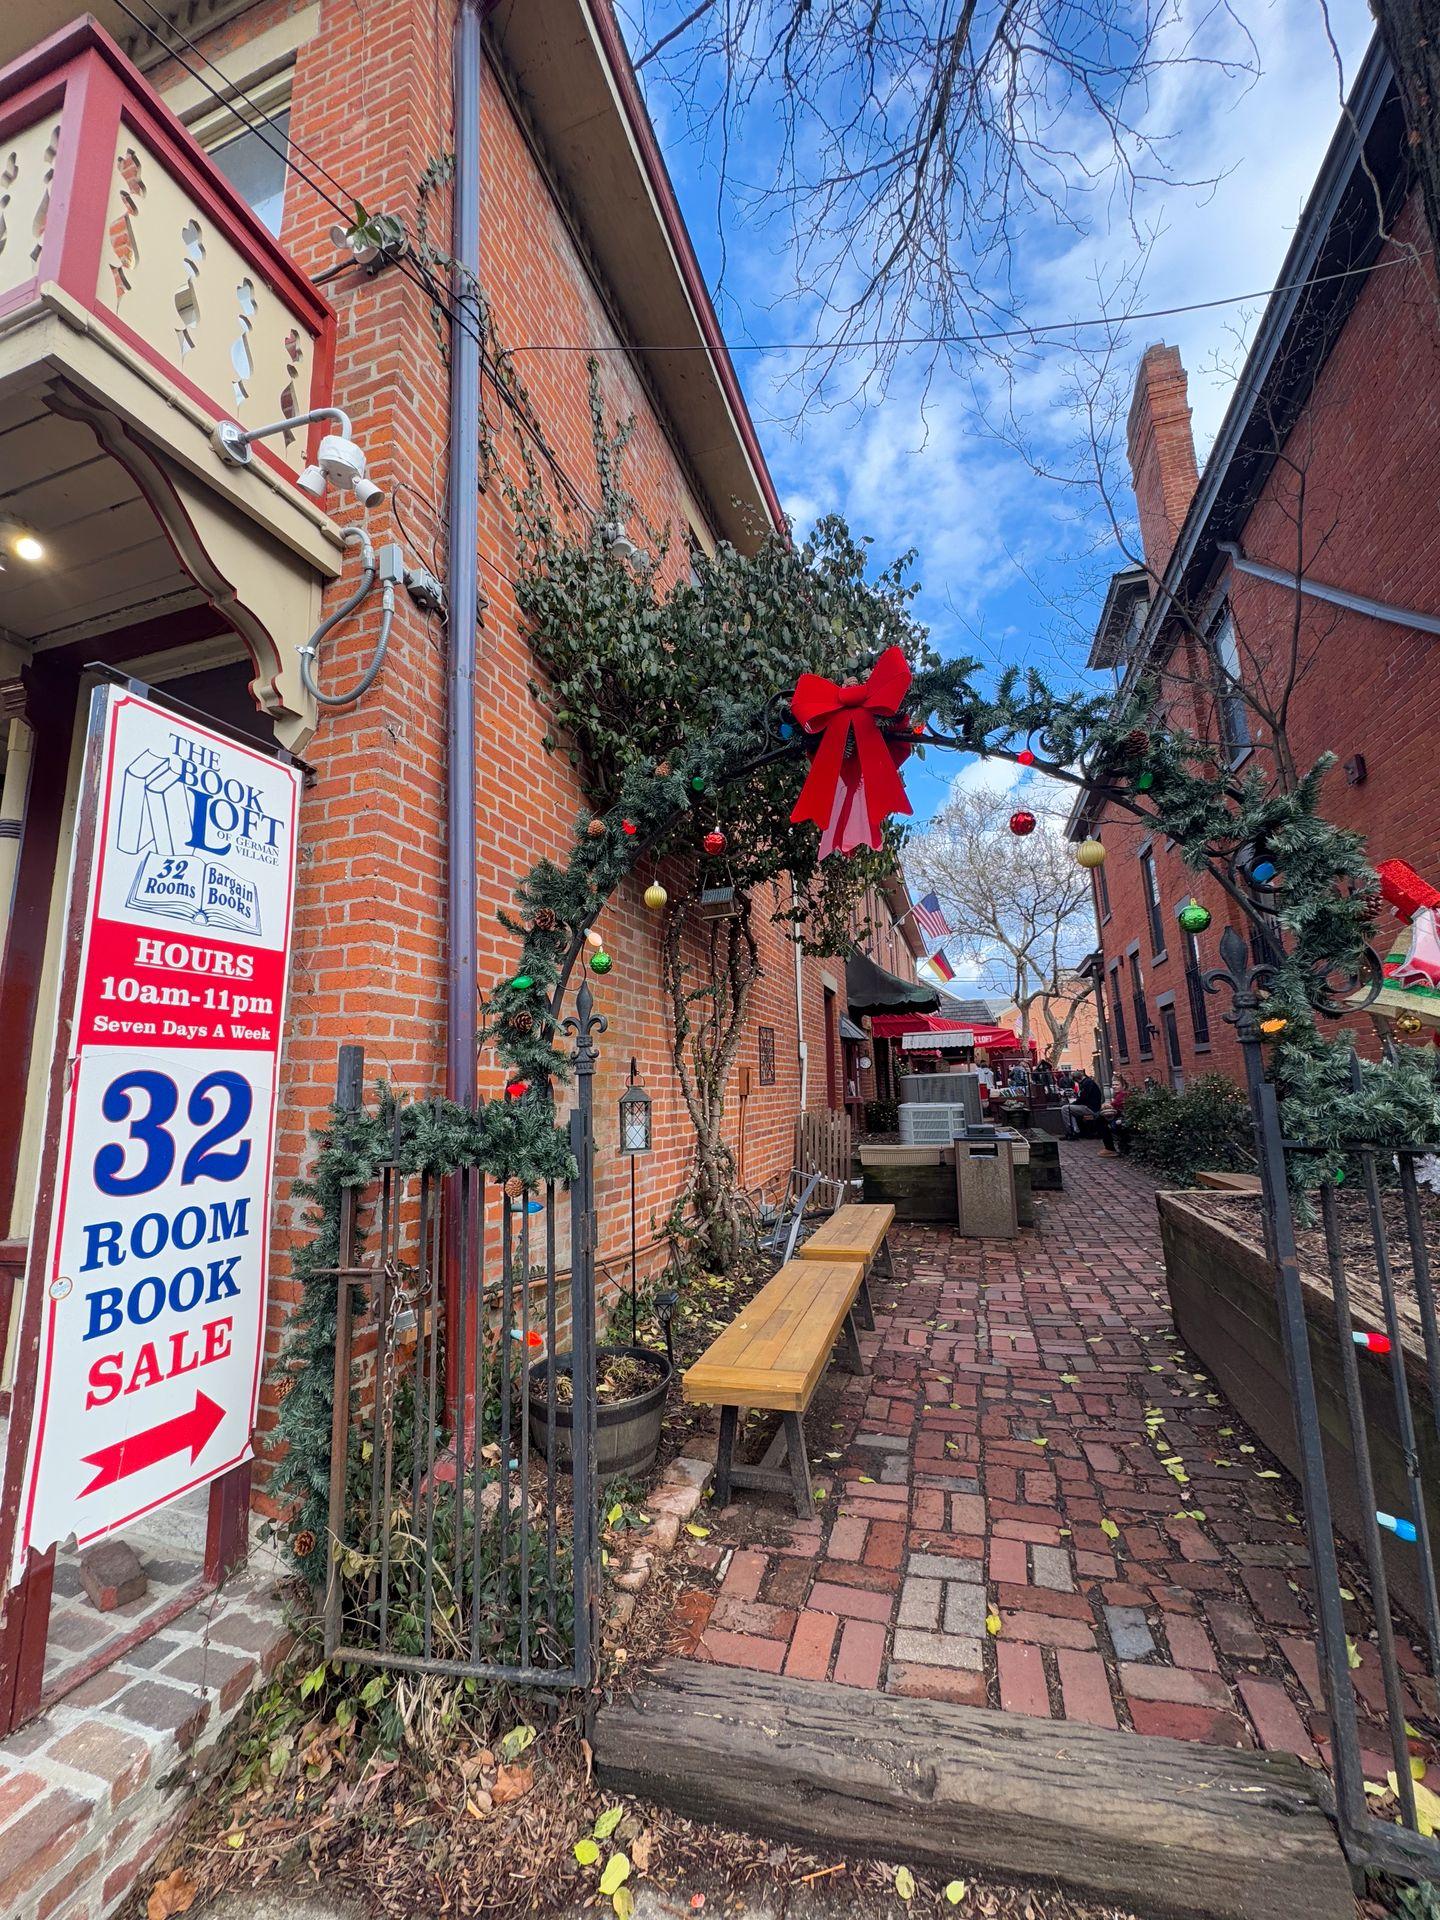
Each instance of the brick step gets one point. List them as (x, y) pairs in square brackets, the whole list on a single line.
[(1160, 1827)]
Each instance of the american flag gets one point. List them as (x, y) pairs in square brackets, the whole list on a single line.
[(930, 919)]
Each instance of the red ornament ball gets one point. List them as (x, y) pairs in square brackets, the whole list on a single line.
[(628, 826), (714, 842), (1026, 758), (516, 1087), (1022, 822)]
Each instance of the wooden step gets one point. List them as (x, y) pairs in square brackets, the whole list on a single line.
[(1161, 1827)]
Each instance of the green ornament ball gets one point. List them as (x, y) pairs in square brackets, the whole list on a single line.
[(600, 961), (1194, 918), (1144, 782), (698, 784), (521, 982)]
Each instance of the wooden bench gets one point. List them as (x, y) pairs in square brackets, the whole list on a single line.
[(772, 1356), (856, 1232)]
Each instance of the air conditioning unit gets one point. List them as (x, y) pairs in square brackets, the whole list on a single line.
[(932, 1126), (943, 1089)]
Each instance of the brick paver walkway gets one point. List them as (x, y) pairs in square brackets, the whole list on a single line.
[(1035, 1500)]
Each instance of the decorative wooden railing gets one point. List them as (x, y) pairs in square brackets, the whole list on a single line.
[(105, 197)]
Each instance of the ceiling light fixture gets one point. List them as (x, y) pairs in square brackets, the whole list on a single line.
[(17, 538)]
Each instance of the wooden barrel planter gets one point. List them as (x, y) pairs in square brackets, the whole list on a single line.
[(627, 1432)]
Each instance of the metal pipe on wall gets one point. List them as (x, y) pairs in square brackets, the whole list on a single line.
[(463, 556)]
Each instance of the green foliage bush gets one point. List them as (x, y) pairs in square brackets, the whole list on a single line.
[(882, 1116), (1178, 1134)]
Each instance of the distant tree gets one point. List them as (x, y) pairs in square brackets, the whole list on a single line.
[(1020, 905)]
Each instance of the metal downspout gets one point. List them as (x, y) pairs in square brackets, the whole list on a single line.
[(463, 544)]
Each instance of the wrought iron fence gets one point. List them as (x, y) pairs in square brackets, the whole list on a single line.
[(1338, 1468), (463, 1521)]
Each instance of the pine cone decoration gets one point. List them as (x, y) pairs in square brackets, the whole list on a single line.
[(1137, 742), (522, 1022), (544, 921), (662, 769), (304, 1543), (596, 828), (514, 1187)]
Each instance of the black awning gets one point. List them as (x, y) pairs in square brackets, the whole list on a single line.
[(870, 989)]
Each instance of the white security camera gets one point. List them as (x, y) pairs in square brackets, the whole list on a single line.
[(340, 462)]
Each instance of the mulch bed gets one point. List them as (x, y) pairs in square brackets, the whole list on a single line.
[(1241, 1211)]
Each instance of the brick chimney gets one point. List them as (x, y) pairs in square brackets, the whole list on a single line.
[(1162, 451)]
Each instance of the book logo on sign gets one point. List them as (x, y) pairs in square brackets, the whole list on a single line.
[(187, 820)]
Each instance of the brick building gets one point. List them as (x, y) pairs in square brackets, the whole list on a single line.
[(1303, 528), (170, 177)]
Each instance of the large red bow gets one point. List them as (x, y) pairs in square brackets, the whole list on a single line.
[(854, 780)]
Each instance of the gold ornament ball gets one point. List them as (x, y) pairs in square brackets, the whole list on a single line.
[(655, 896), (1409, 1023), (1090, 853), (1271, 1027)]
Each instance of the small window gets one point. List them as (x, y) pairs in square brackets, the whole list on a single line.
[(1144, 1031), (254, 163), (1151, 886), (1102, 894), (1117, 1008), (1195, 988), (1231, 710), (1170, 1029)]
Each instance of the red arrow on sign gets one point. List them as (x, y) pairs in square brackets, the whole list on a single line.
[(142, 1450)]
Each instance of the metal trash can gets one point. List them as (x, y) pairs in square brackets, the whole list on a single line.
[(985, 1186)]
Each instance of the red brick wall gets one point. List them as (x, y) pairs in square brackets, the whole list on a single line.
[(371, 104), (1362, 465)]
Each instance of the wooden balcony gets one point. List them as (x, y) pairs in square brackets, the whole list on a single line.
[(141, 302)]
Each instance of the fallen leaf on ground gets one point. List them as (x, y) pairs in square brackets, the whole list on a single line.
[(512, 1783), (699, 1532), (641, 1849), (955, 1892), (1110, 1530), (992, 1623), (905, 1883), (516, 1741), (174, 1894), (617, 1872), (608, 1822), (587, 1851)]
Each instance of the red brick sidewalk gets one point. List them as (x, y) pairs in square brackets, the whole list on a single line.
[(1014, 1460)]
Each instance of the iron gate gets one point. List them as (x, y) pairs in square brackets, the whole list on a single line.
[(1376, 1170), (464, 1536)]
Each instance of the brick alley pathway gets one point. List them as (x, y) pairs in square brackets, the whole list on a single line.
[(1032, 1451)]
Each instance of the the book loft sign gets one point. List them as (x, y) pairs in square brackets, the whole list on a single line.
[(145, 1305)]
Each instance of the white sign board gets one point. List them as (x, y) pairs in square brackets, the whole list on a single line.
[(937, 1042), (155, 1197)]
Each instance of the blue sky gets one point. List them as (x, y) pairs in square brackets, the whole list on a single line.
[(1010, 561)]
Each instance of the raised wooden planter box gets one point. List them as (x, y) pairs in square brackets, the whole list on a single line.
[(919, 1182), (1223, 1295), (1044, 1161)]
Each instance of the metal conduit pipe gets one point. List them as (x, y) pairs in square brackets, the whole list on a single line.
[(463, 562)]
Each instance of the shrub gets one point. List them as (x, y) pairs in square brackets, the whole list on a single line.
[(882, 1116), (1178, 1134)]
